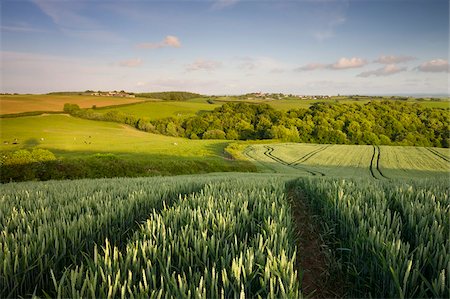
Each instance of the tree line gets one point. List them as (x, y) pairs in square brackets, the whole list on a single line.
[(377, 122)]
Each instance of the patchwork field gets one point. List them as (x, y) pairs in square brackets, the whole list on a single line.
[(156, 109), (162, 109), (10, 104), (365, 161)]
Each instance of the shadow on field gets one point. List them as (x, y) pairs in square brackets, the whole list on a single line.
[(76, 165), (30, 143), (324, 171)]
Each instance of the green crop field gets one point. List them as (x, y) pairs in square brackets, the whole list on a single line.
[(219, 236), (225, 238), (10, 104), (162, 109), (392, 236), (365, 161)]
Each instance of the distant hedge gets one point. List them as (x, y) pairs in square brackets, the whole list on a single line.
[(170, 95), (42, 165)]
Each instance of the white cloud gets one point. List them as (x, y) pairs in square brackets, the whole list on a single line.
[(434, 66), (341, 64), (311, 67), (388, 70), (205, 65), (348, 63), (169, 41), (134, 62), (392, 59)]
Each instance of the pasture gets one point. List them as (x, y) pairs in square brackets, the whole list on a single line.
[(67, 135), (11, 104), (364, 161)]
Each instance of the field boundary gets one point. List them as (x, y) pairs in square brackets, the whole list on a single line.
[(30, 113)]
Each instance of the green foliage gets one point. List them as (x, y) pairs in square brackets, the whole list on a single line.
[(25, 157), (373, 123), (71, 108), (376, 123), (26, 168), (214, 134), (391, 237), (169, 95)]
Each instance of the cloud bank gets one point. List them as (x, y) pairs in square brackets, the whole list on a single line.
[(169, 41), (434, 66), (342, 64), (392, 59), (388, 70), (134, 62), (204, 65)]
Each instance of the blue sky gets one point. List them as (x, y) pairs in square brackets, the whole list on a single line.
[(226, 46)]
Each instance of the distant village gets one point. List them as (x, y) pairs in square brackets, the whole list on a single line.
[(280, 96), (121, 94)]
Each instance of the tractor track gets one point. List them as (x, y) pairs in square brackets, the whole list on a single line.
[(247, 151), (309, 155), (378, 163), (375, 164), (438, 154), (268, 153)]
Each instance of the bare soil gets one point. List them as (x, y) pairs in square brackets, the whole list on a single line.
[(318, 280)]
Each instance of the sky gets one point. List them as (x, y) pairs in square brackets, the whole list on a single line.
[(226, 46)]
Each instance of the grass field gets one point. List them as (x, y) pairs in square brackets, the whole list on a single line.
[(63, 133), (365, 161), (162, 109), (10, 104)]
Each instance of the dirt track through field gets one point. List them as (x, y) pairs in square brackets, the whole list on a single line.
[(312, 262)]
